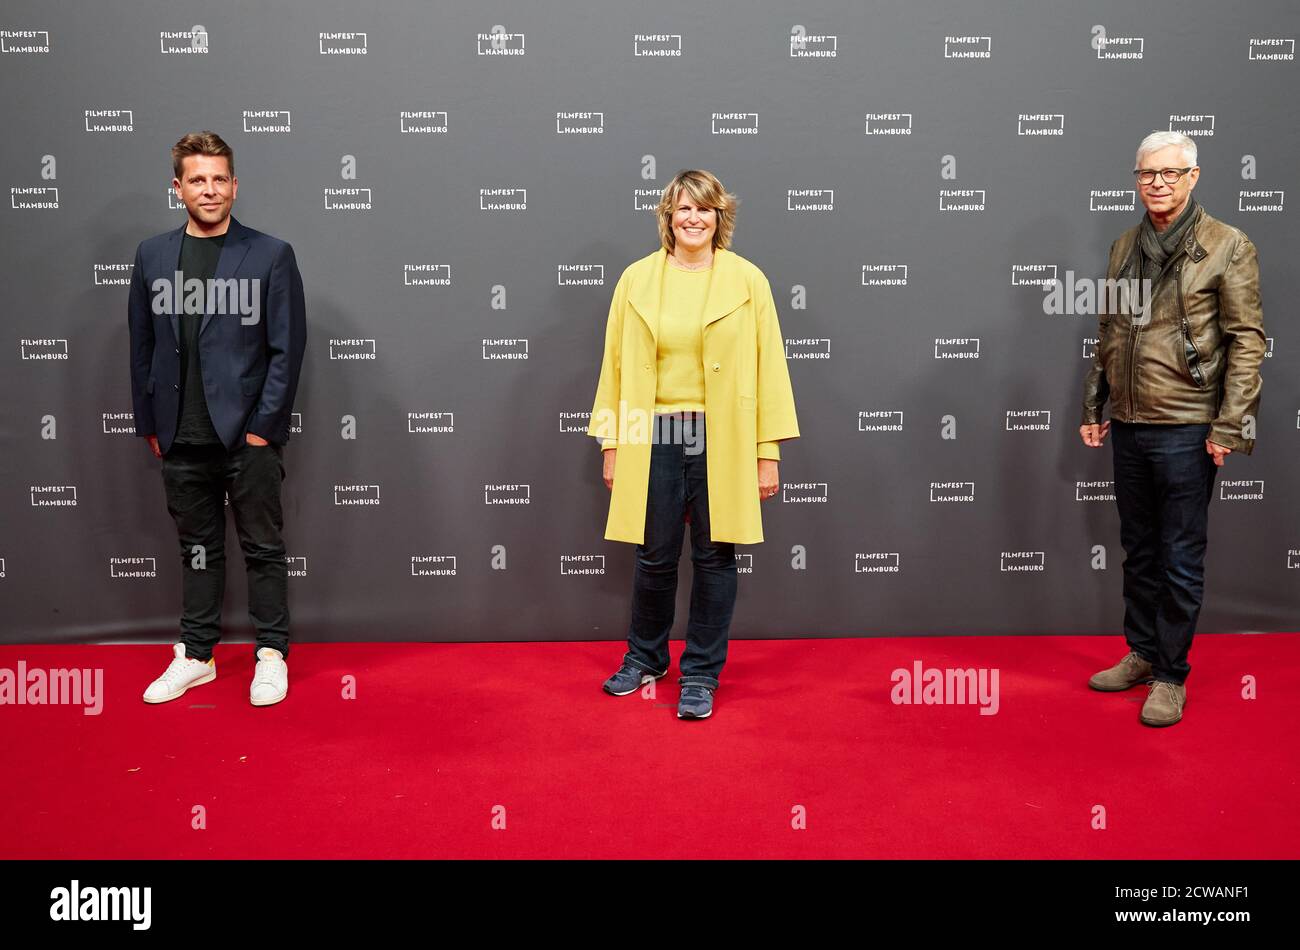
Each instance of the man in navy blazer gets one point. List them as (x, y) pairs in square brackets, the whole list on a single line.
[(218, 328)]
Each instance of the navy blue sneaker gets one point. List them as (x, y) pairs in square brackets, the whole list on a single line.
[(696, 702), (629, 679)]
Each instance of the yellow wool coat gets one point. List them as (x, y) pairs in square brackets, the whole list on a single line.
[(747, 394)]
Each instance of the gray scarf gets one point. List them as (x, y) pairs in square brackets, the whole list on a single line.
[(1159, 246)]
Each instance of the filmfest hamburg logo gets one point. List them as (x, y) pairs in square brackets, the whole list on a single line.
[(657, 44), (295, 566), (805, 45), (580, 275), (1116, 47), (356, 495), (967, 47), (1094, 491), (110, 120), (112, 274), (505, 349), (1256, 200), (54, 496), (497, 42), (808, 348), (646, 199), (1090, 346), (1292, 561), (352, 349), (267, 120), (889, 123), (952, 491), (1033, 275), (503, 199), (1022, 562), (735, 123), (961, 199), (805, 493), (35, 199), (433, 565), (744, 564), (810, 199), (426, 275), (132, 567), (1271, 49), (877, 562), (1192, 124), (430, 422), (347, 199), (573, 564), (193, 40), (579, 123), (295, 423), (43, 349), (423, 123), (957, 348), (1241, 490), (24, 41), (506, 494), (1111, 199), (574, 421), (1029, 420), (343, 44), (1040, 123), (118, 423)]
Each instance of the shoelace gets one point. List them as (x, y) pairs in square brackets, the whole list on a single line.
[(176, 667), (266, 672)]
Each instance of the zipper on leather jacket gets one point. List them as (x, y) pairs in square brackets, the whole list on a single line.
[(1191, 356)]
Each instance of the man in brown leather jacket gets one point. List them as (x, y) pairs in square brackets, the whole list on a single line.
[(1180, 368)]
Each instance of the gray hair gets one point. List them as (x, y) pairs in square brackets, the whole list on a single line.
[(1158, 140)]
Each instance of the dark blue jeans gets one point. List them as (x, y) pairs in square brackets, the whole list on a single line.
[(197, 480), (679, 482), (1164, 479)]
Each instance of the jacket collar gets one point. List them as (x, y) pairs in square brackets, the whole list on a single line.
[(1190, 246), (232, 255), (728, 288)]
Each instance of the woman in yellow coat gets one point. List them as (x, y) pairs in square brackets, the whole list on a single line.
[(692, 336)]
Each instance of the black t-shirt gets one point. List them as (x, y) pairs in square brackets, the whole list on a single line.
[(198, 260)]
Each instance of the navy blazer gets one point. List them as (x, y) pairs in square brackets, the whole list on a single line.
[(250, 370)]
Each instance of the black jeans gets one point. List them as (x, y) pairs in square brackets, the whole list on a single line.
[(197, 479), (679, 483), (1164, 479)]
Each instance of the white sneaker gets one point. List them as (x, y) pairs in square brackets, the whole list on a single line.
[(270, 680), (181, 673)]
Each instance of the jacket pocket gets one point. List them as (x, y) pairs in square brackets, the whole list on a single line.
[(748, 402), (1192, 358)]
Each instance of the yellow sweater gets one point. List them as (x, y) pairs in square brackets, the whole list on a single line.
[(680, 357)]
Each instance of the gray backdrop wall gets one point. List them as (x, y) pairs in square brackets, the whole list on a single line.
[(587, 109)]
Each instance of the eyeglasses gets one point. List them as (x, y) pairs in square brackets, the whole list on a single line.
[(1170, 176)]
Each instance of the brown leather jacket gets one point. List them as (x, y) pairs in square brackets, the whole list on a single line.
[(1197, 357)]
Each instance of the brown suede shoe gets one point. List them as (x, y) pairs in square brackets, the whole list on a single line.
[(1125, 674), (1164, 705)]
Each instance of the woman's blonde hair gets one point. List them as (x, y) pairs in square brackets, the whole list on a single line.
[(705, 190)]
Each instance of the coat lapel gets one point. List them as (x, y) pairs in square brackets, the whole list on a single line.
[(728, 289), (232, 255), (168, 266)]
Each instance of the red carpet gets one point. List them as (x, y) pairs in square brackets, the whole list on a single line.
[(439, 734)]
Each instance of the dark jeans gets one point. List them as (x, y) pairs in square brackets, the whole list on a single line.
[(679, 483), (197, 479), (1164, 479)]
